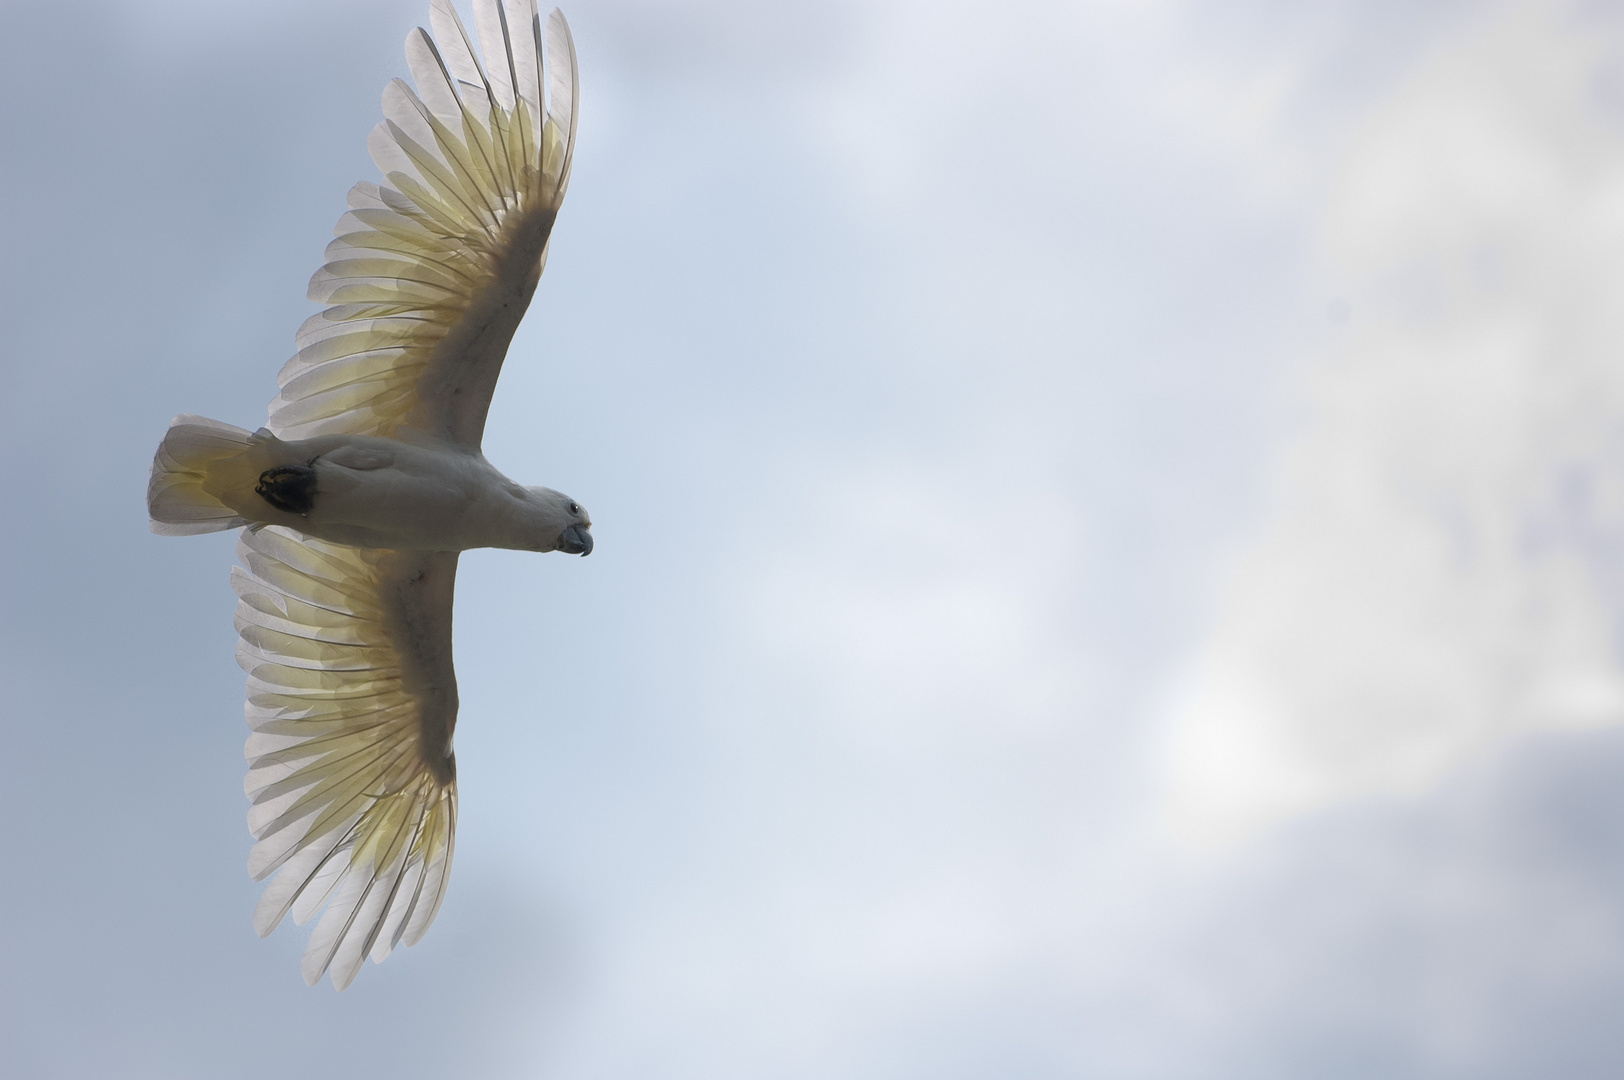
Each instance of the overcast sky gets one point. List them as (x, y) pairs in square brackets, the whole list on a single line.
[(1110, 547)]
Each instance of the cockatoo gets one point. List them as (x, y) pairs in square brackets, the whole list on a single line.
[(368, 480)]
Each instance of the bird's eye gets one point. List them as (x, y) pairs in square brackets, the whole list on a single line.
[(575, 508)]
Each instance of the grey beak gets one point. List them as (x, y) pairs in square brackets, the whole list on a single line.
[(576, 540)]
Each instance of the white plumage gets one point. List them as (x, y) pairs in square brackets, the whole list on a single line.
[(368, 480)]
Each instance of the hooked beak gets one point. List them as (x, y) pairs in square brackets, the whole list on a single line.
[(576, 540)]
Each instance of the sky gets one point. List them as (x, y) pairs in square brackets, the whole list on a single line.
[(1110, 547)]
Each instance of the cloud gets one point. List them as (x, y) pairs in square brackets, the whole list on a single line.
[(1441, 570)]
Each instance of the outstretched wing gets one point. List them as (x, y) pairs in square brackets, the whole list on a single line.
[(352, 700), (431, 271)]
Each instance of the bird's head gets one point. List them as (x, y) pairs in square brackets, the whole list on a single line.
[(564, 523)]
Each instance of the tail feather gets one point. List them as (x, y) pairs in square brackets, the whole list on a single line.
[(201, 464)]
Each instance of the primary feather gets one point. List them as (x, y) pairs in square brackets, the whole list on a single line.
[(429, 274), (352, 701), (352, 697)]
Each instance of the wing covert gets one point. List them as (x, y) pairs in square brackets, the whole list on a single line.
[(352, 702), (430, 272)]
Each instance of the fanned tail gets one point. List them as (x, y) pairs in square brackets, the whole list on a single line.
[(202, 475)]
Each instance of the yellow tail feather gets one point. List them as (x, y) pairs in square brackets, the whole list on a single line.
[(204, 474)]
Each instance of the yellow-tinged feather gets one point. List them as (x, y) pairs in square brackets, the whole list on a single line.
[(464, 174), (341, 772)]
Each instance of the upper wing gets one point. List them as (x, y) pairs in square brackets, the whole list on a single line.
[(431, 272), (352, 700)]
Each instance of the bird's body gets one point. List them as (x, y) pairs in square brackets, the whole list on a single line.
[(369, 479), (413, 494), (373, 492)]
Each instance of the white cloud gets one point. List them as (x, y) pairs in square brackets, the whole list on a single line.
[(1441, 569)]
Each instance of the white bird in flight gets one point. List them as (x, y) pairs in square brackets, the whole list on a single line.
[(368, 480)]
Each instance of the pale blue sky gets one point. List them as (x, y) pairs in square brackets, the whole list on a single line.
[(1108, 533)]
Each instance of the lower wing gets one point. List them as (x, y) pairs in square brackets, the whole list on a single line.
[(352, 700)]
